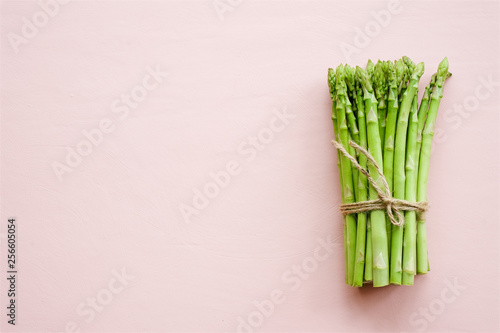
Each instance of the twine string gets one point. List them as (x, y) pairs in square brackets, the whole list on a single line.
[(385, 201)]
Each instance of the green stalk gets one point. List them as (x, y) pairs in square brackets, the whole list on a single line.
[(392, 114), (410, 228), (362, 161), (382, 121), (353, 135), (346, 171), (425, 155), (381, 92), (331, 84), (362, 195), (351, 122), (378, 227), (399, 170), (369, 253), (368, 269), (422, 116)]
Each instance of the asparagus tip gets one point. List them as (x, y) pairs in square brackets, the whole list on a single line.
[(419, 70), (443, 67)]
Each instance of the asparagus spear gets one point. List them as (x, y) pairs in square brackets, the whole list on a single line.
[(425, 155), (399, 170), (422, 115), (331, 84), (363, 194), (378, 227), (410, 228), (392, 115), (346, 170), (369, 70), (410, 231), (361, 243), (381, 92)]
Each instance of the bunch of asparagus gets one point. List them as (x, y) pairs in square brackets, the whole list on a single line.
[(377, 108)]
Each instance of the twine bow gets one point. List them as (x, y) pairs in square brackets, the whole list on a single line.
[(385, 200)]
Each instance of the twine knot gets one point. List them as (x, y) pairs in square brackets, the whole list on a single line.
[(385, 201)]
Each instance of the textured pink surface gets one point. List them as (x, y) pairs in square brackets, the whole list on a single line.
[(119, 210)]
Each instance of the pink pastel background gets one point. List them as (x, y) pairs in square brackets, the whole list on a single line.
[(119, 211)]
